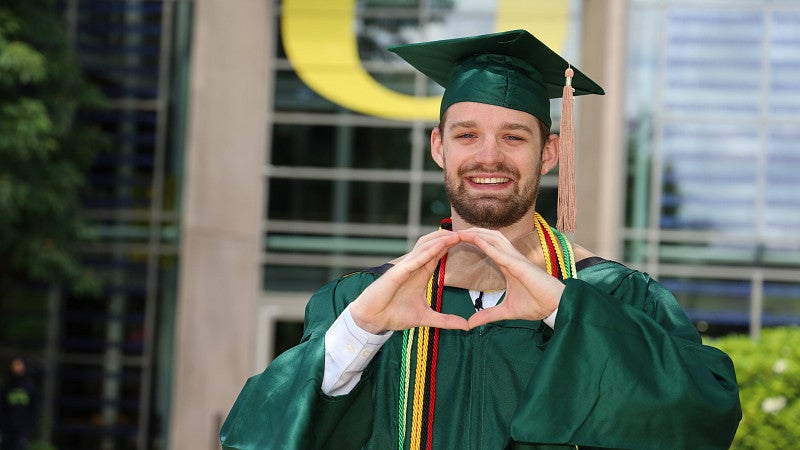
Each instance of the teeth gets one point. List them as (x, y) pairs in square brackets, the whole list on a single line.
[(490, 180)]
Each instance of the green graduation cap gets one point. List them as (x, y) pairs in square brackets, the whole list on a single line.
[(514, 70)]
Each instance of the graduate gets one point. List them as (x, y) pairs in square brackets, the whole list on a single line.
[(494, 331)]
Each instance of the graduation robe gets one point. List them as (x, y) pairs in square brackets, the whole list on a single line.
[(624, 368)]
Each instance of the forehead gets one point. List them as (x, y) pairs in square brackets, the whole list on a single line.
[(483, 115)]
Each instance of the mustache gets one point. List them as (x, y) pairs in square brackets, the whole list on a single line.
[(500, 168)]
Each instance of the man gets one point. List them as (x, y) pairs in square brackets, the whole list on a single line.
[(18, 407), (488, 334)]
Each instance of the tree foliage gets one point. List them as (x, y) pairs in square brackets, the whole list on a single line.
[(44, 152)]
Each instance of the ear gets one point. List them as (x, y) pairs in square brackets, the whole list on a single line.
[(550, 153), (437, 147)]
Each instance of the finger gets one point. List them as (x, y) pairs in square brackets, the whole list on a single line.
[(425, 241), (488, 315), (433, 236), (482, 232), (430, 251), (422, 240), (498, 249), (445, 321), (482, 238)]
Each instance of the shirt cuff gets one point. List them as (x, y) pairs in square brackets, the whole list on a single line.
[(348, 351), (550, 320)]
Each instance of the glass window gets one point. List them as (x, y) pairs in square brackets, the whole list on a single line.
[(782, 202), (715, 306), (434, 206), (713, 110), (780, 303), (287, 335), (288, 278), (291, 94), (340, 201), (318, 145)]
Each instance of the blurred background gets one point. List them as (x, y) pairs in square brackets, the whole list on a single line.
[(176, 178)]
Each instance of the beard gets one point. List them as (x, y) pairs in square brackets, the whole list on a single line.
[(496, 210)]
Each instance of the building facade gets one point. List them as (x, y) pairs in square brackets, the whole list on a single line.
[(265, 148)]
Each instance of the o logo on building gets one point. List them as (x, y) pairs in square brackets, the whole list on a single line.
[(319, 41)]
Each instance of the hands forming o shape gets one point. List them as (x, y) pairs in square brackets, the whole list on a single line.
[(397, 301)]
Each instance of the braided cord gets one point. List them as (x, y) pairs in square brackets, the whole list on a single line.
[(419, 378), (559, 253), (438, 276), (424, 395), (556, 246), (548, 248), (569, 255), (405, 373), (543, 242)]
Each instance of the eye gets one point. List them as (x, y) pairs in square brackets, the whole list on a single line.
[(466, 136), (512, 137)]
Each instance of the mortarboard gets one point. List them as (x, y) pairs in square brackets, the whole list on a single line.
[(514, 70)]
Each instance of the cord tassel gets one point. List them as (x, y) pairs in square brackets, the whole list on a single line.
[(566, 165)]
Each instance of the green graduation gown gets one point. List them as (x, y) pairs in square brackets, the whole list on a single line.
[(624, 368)]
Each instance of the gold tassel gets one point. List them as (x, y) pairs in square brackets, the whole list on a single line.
[(566, 165)]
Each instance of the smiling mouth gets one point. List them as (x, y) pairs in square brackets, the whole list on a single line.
[(490, 180)]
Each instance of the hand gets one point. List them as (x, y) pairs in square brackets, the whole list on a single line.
[(397, 301), (531, 293)]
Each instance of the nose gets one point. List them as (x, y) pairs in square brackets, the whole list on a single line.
[(489, 152)]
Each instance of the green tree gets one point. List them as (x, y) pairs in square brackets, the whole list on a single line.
[(44, 152)]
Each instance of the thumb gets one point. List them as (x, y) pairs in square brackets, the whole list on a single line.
[(447, 321), (484, 316)]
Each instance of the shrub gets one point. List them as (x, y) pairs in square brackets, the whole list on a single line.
[(768, 373)]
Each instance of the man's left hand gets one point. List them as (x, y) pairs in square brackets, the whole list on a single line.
[(531, 293)]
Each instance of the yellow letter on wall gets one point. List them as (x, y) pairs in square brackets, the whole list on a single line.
[(320, 41)]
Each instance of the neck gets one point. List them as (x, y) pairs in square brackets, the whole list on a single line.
[(470, 268), (511, 232)]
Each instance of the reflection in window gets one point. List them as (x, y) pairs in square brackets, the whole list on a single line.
[(722, 305), (319, 145), (339, 201), (712, 111)]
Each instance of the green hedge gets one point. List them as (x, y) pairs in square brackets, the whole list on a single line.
[(768, 373)]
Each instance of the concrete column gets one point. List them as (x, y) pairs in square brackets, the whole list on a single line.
[(223, 190), (600, 159)]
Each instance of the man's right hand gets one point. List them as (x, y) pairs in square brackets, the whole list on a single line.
[(397, 299)]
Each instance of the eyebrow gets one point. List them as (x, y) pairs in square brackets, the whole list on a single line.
[(504, 126), (517, 126), (463, 124)]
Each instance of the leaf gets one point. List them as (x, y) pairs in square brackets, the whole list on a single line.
[(21, 63)]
